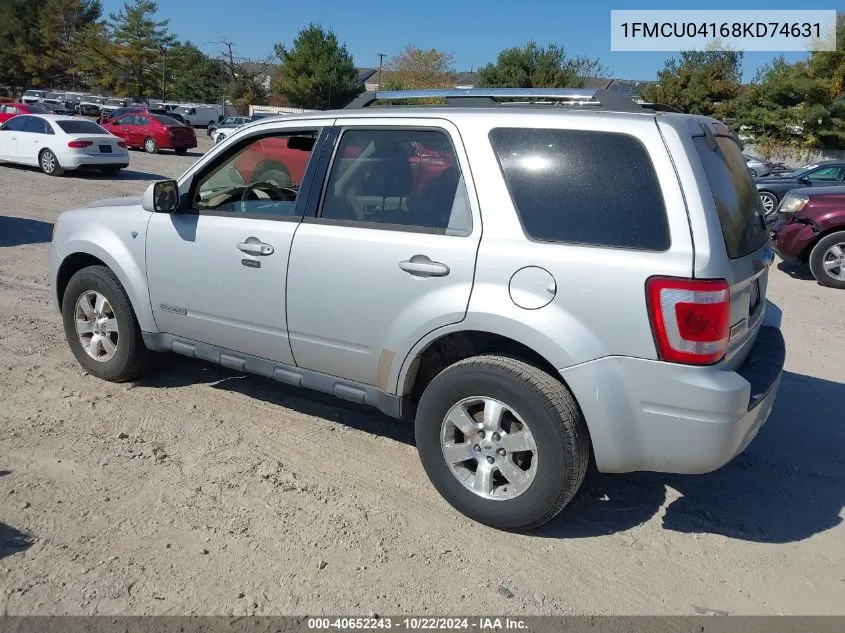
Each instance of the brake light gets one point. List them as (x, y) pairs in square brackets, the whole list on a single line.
[(121, 143), (79, 144), (690, 318)]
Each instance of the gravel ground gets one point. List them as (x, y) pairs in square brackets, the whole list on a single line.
[(198, 490)]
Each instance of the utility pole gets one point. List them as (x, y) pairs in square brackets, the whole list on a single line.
[(164, 74), (380, 58)]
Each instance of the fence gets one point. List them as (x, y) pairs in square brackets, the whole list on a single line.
[(794, 157), (263, 109)]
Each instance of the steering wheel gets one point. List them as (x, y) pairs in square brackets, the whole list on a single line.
[(285, 193)]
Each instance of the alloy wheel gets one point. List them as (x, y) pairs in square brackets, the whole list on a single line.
[(833, 261), (489, 448), (96, 326)]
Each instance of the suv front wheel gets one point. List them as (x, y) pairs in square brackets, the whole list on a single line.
[(502, 441), (101, 328)]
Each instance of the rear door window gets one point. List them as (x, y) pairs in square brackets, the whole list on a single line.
[(583, 187), (737, 201)]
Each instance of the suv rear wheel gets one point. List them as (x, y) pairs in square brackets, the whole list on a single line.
[(827, 260), (503, 441), (101, 327)]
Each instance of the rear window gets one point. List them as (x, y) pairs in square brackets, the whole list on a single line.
[(80, 127), (166, 120), (583, 187), (737, 201)]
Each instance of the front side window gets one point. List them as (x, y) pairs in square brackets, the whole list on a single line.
[(583, 187), (826, 174), (126, 120), (16, 124), (409, 179), (261, 177)]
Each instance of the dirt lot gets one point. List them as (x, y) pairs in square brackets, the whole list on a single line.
[(198, 490)]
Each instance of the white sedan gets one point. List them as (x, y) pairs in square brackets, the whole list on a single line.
[(56, 143)]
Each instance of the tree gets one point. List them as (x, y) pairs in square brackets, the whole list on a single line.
[(317, 71), (799, 105), (533, 66), (139, 42), (191, 75), (699, 82), (415, 68), (50, 54)]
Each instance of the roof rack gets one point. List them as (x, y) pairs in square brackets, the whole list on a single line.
[(577, 97)]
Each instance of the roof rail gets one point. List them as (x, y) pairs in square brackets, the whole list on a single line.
[(578, 97)]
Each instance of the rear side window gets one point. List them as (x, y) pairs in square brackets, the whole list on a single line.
[(583, 187), (737, 201)]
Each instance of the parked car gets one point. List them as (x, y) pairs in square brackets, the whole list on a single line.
[(230, 122), (33, 96), (757, 166), (91, 105), (809, 230), (198, 115), (827, 173), (58, 143), (111, 105), (343, 252), (56, 106), (153, 132), (9, 110)]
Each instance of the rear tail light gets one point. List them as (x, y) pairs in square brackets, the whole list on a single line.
[(79, 144), (121, 143), (690, 318)]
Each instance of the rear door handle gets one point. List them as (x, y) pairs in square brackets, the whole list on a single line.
[(422, 266), (254, 246)]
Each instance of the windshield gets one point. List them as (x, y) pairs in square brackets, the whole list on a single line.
[(31, 93), (37, 108), (115, 102), (184, 110)]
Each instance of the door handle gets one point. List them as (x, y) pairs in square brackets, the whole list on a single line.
[(422, 266), (254, 246)]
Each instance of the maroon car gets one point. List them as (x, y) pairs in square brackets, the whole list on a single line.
[(810, 229)]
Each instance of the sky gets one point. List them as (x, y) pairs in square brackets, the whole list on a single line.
[(474, 31)]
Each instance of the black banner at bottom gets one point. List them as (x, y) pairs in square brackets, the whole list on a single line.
[(404, 623)]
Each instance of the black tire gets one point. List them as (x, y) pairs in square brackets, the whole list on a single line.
[(820, 253), (132, 358), (771, 198), (49, 163), (181, 151), (110, 171), (220, 138), (753, 173), (553, 417), (150, 146)]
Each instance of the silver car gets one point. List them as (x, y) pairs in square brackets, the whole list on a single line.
[(758, 167), (529, 285)]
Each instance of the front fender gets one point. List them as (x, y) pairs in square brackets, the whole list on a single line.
[(127, 259)]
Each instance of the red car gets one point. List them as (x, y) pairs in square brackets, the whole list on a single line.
[(809, 228), (8, 110), (152, 132)]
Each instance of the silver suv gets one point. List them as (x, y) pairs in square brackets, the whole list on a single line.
[(534, 277)]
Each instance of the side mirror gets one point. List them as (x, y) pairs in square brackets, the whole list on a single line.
[(804, 180), (161, 197)]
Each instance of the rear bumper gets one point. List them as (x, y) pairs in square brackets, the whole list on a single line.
[(74, 161), (656, 416)]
